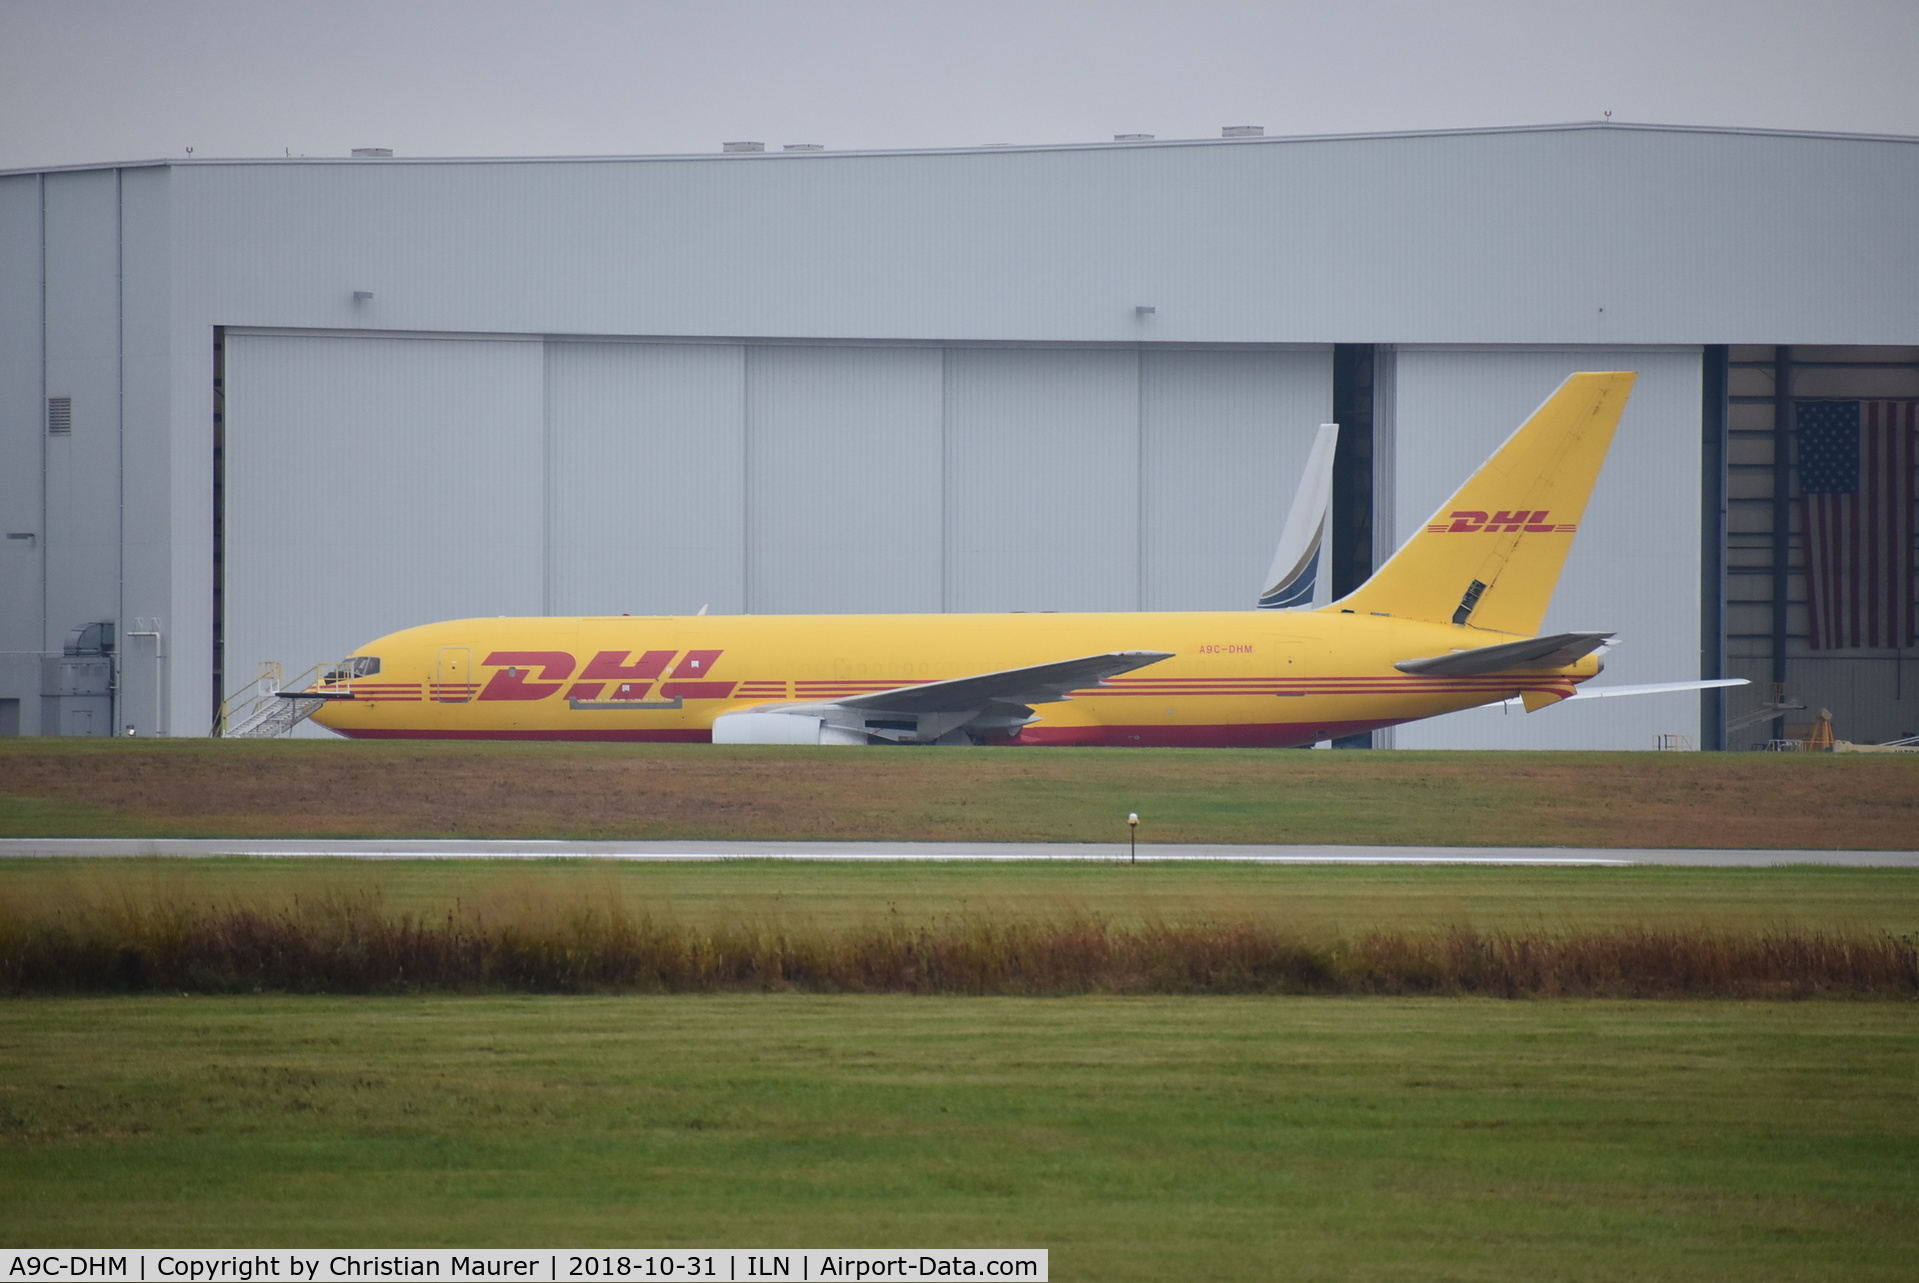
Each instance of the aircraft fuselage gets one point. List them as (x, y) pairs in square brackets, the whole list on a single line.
[(1236, 678)]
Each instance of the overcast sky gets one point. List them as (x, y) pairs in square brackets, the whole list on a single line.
[(100, 80)]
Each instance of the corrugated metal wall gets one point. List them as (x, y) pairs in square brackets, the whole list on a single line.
[(153, 532), (1577, 234), (22, 439), (1042, 480), (83, 317), (843, 479), (1224, 436), (645, 504), (82, 530), (1634, 567)]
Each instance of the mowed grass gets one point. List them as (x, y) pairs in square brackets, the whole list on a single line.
[(190, 788), (1312, 902), (1143, 1138), (1135, 1137)]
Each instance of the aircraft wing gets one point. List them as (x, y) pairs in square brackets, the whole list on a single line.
[(948, 712), (1039, 684), (1553, 651)]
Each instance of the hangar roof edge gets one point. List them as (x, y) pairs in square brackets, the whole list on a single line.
[(991, 148)]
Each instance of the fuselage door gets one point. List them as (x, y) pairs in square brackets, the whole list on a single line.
[(453, 680)]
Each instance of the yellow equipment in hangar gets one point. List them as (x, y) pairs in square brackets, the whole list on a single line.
[(1450, 622)]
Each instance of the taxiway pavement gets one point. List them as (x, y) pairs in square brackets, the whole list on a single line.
[(1156, 852)]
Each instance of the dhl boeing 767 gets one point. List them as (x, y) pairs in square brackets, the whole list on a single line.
[(1450, 622)]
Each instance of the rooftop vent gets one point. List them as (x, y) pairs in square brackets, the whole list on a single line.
[(1243, 131), (805, 147), (1132, 138), (372, 153), (59, 415), (742, 146)]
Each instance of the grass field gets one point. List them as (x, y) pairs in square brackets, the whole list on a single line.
[(1135, 1138), (186, 788)]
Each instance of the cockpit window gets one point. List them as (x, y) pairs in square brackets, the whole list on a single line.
[(358, 666)]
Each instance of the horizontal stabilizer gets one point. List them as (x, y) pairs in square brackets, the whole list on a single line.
[(1554, 651), (1656, 688), (1651, 688)]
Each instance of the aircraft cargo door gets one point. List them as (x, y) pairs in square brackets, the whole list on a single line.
[(453, 679)]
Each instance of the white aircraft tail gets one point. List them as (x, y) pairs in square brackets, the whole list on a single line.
[(1302, 544)]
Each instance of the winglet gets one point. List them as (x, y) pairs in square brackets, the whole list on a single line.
[(1295, 573)]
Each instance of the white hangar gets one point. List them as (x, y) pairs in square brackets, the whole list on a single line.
[(265, 410)]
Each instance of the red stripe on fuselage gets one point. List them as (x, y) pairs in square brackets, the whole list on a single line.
[(1249, 735), (685, 735)]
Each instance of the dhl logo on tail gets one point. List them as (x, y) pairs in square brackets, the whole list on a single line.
[(1472, 523)]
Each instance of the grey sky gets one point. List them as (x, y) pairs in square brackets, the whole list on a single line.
[(92, 80)]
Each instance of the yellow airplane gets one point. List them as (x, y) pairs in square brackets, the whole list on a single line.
[(1450, 622)]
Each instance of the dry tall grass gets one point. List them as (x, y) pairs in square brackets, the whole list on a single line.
[(350, 944)]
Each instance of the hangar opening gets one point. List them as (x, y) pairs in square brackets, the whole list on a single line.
[(583, 477), (1820, 541)]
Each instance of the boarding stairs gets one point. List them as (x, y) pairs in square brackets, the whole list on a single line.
[(266, 709)]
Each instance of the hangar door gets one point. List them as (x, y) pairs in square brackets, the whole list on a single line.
[(381, 482), (838, 478), (373, 484)]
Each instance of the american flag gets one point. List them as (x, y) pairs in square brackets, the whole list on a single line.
[(1856, 478)]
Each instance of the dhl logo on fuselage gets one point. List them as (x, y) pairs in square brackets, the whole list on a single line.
[(1473, 523), (540, 674)]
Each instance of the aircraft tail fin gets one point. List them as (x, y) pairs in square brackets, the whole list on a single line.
[(1491, 556), (1302, 543)]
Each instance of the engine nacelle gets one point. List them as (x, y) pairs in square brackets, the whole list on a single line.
[(781, 728)]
